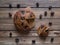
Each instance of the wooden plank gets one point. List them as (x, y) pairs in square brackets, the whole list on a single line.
[(7, 26), (32, 33), (12, 27), (28, 40), (32, 2), (4, 13), (55, 21)]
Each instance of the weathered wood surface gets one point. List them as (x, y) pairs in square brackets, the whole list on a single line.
[(7, 26)]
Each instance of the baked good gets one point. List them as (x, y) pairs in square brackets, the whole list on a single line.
[(24, 19), (43, 30)]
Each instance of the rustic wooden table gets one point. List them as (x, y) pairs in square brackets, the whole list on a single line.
[(7, 26)]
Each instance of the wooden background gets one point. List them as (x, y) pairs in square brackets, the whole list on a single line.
[(7, 26)]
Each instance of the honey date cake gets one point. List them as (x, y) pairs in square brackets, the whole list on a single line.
[(24, 19)]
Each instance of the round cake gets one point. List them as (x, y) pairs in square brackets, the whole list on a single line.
[(43, 30), (24, 19)]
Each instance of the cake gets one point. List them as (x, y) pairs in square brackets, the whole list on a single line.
[(43, 30), (24, 19)]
